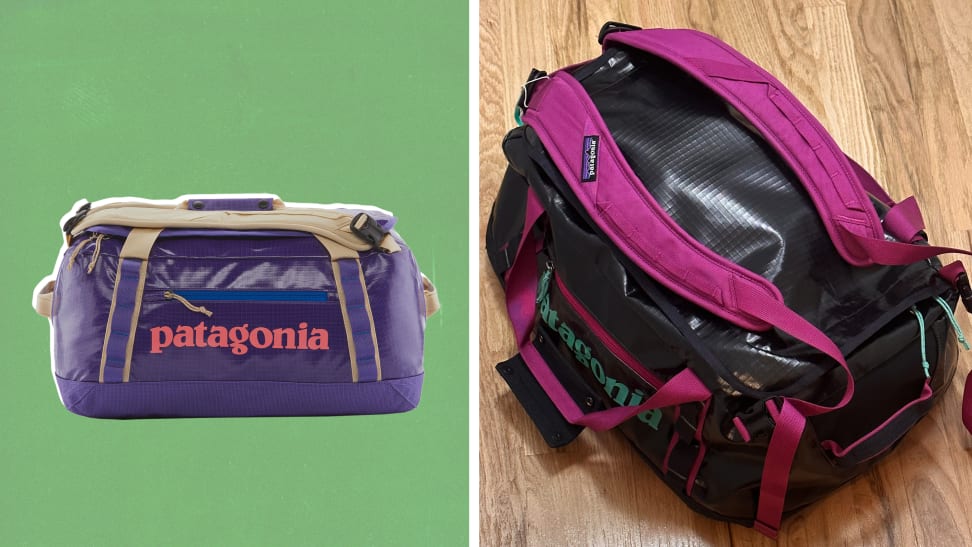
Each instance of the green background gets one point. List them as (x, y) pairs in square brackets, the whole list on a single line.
[(360, 102)]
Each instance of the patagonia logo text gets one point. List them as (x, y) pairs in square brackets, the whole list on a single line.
[(238, 339), (589, 168), (616, 389)]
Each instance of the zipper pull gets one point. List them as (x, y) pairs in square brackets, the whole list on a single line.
[(544, 285), (169, 295), (77, 251), (96, 253), (921, 335), (955, 326)]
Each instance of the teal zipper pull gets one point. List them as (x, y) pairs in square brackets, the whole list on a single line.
[(921, 334), (544, 285), (951, 317)]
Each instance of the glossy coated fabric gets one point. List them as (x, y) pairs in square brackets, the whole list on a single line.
[(230, 263), (724, 185), (178, 399)]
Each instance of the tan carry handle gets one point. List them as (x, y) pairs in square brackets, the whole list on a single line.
[(332, 227), (44, 304), (431, 297)]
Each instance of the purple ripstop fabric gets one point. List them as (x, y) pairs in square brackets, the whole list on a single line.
[(121, 320), (361, 334), (238, 398)]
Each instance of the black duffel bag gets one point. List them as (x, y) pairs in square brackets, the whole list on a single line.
[(687, 255)]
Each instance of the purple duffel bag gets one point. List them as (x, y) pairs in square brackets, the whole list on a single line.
[(235, 306)]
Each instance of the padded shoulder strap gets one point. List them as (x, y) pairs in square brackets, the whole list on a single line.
[(563, 116), (781, 119), (836, 185)]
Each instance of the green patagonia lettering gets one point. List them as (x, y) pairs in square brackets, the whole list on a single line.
[(618, 391)]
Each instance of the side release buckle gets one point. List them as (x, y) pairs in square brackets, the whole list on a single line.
[(79, 215), (613, 26), (368, 229)]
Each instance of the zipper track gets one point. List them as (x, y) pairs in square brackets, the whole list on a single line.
[(609, 341), (235, 295)]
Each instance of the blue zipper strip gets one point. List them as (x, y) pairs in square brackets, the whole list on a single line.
[(253, 296)]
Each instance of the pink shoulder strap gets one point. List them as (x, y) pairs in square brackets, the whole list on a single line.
[(835, 184)]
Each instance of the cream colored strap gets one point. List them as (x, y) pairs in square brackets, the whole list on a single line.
[(45, 300), (431, 297), (331, 224), (137, 246)]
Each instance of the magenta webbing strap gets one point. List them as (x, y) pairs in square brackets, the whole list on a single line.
[(521, 287), (790, 322), (564, 118), (893, 253), (782, 120), (904, 220), (776, 468), (872, 444), (951, 271), (870, 185)]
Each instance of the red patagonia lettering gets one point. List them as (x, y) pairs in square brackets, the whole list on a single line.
[(239, 339)]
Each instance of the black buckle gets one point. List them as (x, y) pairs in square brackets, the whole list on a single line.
[(964, 290), (368, 229), (613, 26), (525, 90), (77, 218)]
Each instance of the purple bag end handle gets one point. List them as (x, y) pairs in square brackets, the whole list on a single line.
[(267, 203)]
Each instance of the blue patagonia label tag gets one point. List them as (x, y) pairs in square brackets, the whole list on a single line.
[(589, 173)]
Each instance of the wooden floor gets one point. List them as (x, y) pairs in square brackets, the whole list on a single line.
[(892, 80)]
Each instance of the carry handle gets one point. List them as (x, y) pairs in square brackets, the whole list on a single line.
[(44, 299), (431, 296), (835, 184), (265, 203), (883, 437), (521, 286)]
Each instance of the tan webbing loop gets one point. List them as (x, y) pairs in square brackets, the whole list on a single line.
[(371, 318), (431, 297), (45, 300), (335, 249), (137, 245)]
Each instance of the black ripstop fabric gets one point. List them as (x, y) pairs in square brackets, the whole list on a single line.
[(731, 191)]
